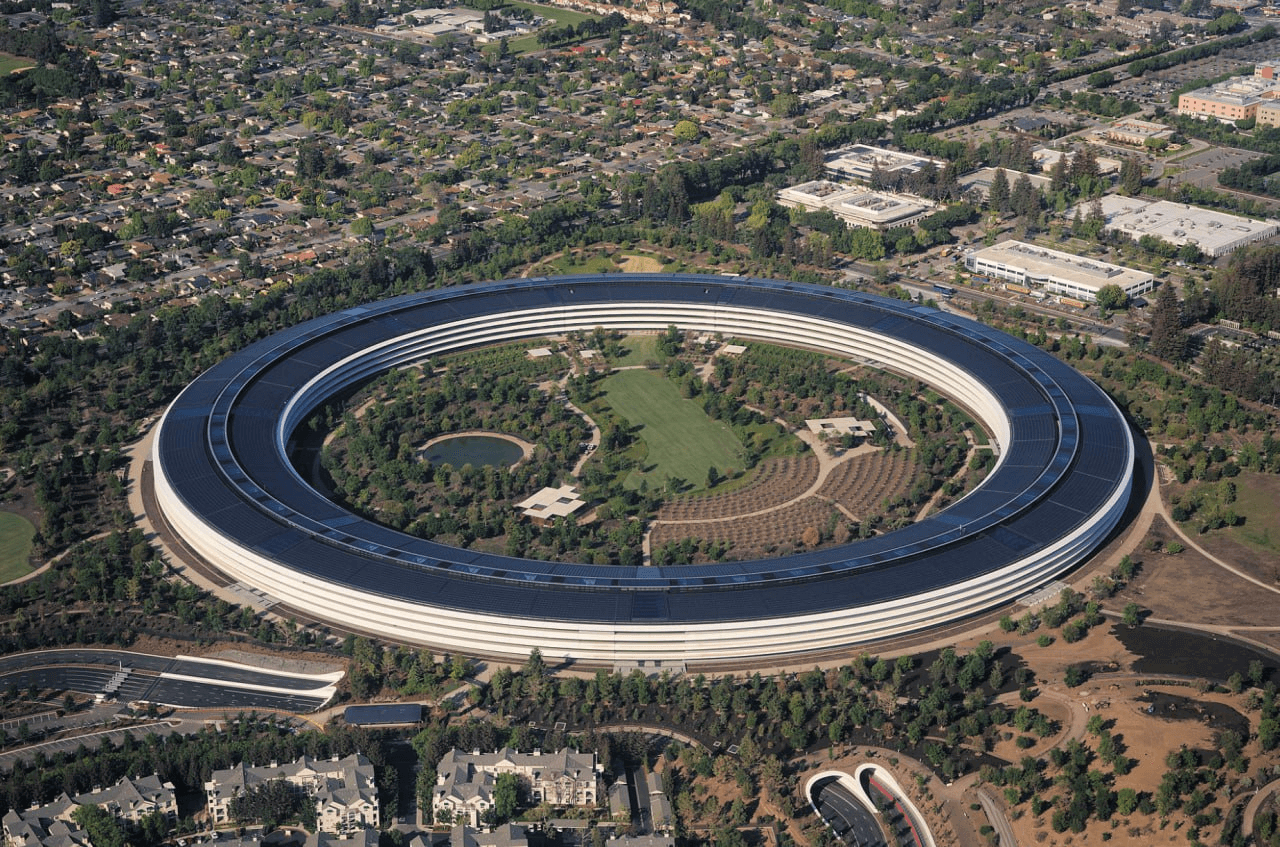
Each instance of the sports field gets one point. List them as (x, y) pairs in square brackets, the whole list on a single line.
[(16, 533), (682, 441), (529, 43)]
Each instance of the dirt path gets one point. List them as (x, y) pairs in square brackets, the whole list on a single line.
[(955, 477)]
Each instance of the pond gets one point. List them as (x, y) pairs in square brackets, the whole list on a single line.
[(475, 450)]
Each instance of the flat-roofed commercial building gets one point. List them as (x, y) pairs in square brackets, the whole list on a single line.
[(1215, 233), (857, 206), (979, 181), (1060, 273), (1269, 113), (1234, 100), (860, 161), (1133, 131)]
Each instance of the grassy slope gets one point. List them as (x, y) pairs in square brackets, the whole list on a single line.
[(683, 442), (15, 546), (1256, 497), (10, 63)]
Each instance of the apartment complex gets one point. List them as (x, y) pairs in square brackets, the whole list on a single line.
[(52, 825), (344, 791), (465, 781)]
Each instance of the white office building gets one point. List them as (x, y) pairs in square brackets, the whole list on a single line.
[(1056, 272)]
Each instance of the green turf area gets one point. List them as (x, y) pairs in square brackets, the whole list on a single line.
[(637, 349), (10, 63), (557, 14), (682, 441), (16, 533), (529, 43), (1256, 496), (579, 265)]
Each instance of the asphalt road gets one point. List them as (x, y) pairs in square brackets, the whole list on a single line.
[(849, 819), (183, 683)]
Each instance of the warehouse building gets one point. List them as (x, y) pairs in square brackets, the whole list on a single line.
[(1215, 233)]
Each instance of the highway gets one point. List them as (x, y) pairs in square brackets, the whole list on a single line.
[(850, 820), (182, 682)]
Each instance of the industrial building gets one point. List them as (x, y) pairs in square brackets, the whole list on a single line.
[(1056, 272), (1215, 233)]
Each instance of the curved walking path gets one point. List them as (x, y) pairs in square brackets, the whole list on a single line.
[(1190, 543), (1254, 805), (826, 464)]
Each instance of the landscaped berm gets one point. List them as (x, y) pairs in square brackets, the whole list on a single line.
[(16, 534)]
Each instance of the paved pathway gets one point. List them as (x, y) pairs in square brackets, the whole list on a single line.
[(1254, 805), (999, 822)]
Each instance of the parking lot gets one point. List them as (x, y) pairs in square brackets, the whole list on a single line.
[(1202, 169)]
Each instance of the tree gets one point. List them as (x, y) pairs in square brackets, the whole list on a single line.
[(1132, 614), (100, 825), (1126, 801), (506, 796), (534, 666), (269, 803), (686, 131), (1111, 298), (1131, 175), (1168, 338), (998, 196)]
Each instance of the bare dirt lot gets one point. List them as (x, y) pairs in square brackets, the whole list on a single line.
[(1188, 587)]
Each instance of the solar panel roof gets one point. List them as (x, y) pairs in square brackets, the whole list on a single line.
[(228, 468)]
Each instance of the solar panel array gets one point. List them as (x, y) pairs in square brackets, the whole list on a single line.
[(1069, 452)]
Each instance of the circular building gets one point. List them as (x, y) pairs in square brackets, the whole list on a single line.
[(225, 484)]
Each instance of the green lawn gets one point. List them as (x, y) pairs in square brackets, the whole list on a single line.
[(16, 533), (557, 14), (568, 265), (529, 43), (682, 441), (10, 63), (1256, 496), (639, 349)]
